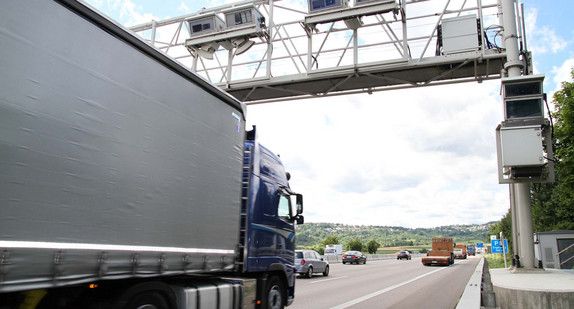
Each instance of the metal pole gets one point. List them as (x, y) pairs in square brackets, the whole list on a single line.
[(355, 47), (406, 54), (503, 249), (513, 66), (525, 229), (153, 30), (514, 226), (270, 42)]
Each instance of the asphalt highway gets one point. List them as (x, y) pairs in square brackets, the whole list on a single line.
[(385, 284)]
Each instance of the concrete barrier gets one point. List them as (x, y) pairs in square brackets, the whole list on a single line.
[(470, 298)]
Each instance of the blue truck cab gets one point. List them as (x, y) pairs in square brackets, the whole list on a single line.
[(271, 211)]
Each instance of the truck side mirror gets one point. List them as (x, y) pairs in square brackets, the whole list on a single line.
[(300, 220), (299, 204)]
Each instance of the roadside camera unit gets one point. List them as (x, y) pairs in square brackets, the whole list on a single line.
[(244, 16), (204, 24), (523, 97), (524, 138), (234, 32), (327, 11), (322, 5)]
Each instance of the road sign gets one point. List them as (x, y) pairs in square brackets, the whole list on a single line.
[(497, 246), (480, 245)]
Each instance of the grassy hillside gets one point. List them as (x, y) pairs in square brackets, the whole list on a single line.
[(312, 234)]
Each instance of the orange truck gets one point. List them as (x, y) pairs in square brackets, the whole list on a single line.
[(441, 252), (460, 251)]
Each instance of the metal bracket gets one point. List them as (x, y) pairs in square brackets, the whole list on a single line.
[(4, 262), (186, 261), (162, 263), (135, 260), (59, 258), (103, 268)]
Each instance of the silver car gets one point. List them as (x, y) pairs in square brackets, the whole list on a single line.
[(308, 262)]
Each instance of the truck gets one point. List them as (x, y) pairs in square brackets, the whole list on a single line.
[(333, 249), (128, 181), (471, 250), (441, 252), (460, 251)]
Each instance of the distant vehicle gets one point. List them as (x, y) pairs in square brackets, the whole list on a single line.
[(416, 253), (403, 255), (308, 262), (460, 251), (333, 249), (356, 257), (471, 250), (441, 253)]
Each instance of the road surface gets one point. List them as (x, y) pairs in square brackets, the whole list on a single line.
[(385, 284)]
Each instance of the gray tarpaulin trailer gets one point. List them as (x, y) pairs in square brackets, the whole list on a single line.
[(116, 162)]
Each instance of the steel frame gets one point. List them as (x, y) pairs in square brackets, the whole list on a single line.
[(389, 51)]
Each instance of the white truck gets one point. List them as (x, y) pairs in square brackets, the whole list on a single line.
[(127, 181), (333, 249)]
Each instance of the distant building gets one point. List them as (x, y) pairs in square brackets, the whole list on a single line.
[(547, 245)]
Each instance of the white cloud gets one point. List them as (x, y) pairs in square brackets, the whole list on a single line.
[(133, 13), (542, 40), (183, 8), (414, 158), (563, 73)]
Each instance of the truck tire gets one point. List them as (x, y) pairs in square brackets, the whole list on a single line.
[(148, 300), (274, 294)]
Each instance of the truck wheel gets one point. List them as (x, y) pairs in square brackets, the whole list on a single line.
[(274, 295), (326, 272), (147, 300), (310, 272)]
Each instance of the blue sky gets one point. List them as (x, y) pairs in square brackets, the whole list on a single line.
[(416, 158)]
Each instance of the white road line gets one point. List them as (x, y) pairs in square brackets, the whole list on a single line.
[(321, 281), (385, 290)]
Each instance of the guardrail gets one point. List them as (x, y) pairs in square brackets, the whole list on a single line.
[(470, 298)]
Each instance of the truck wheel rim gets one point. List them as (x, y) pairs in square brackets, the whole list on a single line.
[(274, 298)]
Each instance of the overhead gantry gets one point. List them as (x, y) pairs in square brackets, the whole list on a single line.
[(260, 51)]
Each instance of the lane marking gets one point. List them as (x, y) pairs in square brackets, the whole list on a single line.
[(328, 280), (385, 290)]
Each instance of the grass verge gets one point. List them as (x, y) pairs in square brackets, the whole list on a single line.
[(496, 260)]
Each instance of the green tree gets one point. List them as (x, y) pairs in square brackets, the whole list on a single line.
[(320, 249), (373, 246), (553, 204), (330, 240), (504, 226), (563, 194), (355, 245)]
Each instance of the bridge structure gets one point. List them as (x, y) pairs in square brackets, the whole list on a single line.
[(361, 47)]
